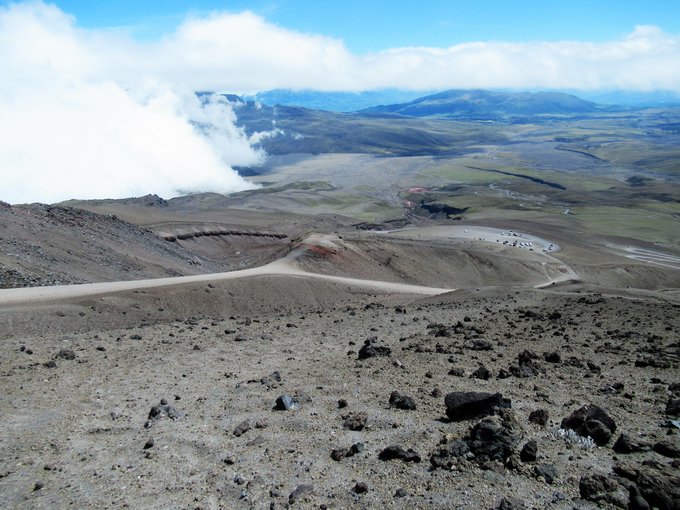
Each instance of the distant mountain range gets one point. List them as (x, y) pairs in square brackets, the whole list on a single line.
[(334, 101), (434, 124), (464, 104), (488, 105), (656, 98)]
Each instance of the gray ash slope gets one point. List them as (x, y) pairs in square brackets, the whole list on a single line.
[(80, 427), (52, 245)]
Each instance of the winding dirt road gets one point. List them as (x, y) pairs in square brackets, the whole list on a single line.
[(283, 267)]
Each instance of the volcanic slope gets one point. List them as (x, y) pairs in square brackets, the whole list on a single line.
[(167, 397)]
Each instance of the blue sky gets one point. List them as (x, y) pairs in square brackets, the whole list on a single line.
[(81, 79), (372, 25)]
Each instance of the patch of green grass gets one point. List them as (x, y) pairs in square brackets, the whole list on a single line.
[(638, 223)]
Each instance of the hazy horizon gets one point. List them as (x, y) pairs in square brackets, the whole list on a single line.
[(91, 109)]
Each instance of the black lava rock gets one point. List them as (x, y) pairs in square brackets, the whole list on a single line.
[(67, 354), (464, 405), (601, 488), (494, 437), (355, 421), (668, 449), (286, 403), (626, 444), (539, 417), (339, 453), (673, 407), (511, 503), (402, 401), (395, 452), (591, 421), (162, 410), (482, 345), (370, 350), (481, 373), (552, 357), (302, 492), (443, 458), (529, 452), (242, 428), (360, 488), (547, 471)]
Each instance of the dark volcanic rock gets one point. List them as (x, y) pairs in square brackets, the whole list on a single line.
[(395, 452), (355, 421), (339, 453), (481, 373), (495, 437), (273, 380), (402, 401), (457, 371), (242, 428), (67, 354), (636, 501), (444, 457), (591, 421), (286, 403), (658, 484), (370, 350), (527, 367), (482, 345), (552, 357), (465, 405), (626, 444), (539, 417), (159, 411), (668, 449), (529, 452), (673, 407), (674, 388), (302, 492), (547, 471), (601, 489), (511, 503), (360, 488)]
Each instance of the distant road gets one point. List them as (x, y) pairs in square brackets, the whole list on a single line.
[(31, 295), (286, 267)]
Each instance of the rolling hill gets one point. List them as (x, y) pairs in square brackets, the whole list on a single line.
[(488, 105)]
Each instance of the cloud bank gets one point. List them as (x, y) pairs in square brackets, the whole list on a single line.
[(73, 127), (95, 113)]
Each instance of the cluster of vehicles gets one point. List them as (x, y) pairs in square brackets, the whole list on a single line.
[(520, 242), (523, 244)]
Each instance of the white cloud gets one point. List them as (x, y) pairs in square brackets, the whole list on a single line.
[(90, 113), (71, 128)]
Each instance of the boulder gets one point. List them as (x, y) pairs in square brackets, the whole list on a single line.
[(395, 452), (591, 421), (370, 350), (626, 444), (464, 405), (603, 489), (495, 438), (402, 401), (529, 452), (286, 403)]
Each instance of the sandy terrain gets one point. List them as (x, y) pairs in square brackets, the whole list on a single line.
[(82, 367)]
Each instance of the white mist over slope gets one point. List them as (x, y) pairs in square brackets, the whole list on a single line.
[(71, 128), (96, 113)]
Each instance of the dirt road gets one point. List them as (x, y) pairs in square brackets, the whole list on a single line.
[(282, 267)]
